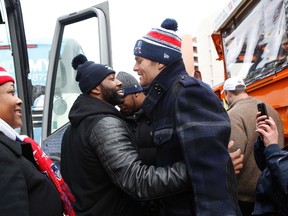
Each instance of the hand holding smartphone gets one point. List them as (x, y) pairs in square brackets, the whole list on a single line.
[(262, 108)]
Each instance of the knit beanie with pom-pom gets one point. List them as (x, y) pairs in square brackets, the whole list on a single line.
[(89, 74), (160, 44)]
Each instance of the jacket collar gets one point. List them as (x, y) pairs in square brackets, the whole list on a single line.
[(14, 146), (160, 85)]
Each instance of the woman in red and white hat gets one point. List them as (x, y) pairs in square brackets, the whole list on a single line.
[(24, 189)]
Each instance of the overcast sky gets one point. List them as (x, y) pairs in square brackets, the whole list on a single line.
[(42, 14), (137, 17)]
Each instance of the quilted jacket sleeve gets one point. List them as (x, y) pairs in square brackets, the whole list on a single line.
[(121, 161)]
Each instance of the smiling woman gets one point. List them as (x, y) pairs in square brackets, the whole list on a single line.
[(19, 174), (25, 171), (10, 106)]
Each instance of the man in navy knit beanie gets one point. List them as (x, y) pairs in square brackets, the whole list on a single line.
[(89, 74), (189, 124)]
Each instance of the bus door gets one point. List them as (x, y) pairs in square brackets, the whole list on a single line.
[(84, 32)]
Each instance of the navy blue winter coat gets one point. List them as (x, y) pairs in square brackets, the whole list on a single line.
[(272, 186), (191, 124)]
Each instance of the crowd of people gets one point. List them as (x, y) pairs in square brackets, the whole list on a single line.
[(163, 146)]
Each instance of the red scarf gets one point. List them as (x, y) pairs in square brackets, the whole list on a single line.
[(46, 165)]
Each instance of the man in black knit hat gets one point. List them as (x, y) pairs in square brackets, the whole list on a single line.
[(98, 158)]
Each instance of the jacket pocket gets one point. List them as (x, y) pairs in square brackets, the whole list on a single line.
[(162, 135)]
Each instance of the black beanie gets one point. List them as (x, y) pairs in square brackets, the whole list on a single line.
[(89, 74)]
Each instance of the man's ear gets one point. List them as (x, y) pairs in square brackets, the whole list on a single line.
[(96, 90), (161, 66)]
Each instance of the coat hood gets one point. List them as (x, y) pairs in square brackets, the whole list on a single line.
[(86, 105)]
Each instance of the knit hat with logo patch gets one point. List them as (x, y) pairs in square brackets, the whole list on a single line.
[(160, 44), (5, 76), (89, 74)]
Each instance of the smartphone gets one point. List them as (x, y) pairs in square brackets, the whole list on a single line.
[(262, 108)]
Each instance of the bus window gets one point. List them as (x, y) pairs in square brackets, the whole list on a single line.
[(38, 54), (38, 63), (66, 88)]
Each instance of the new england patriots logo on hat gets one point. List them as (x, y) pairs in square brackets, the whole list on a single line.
[(137, 48)]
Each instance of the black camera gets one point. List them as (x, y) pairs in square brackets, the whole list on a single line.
[(262, 108)]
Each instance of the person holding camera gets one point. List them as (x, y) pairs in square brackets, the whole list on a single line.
[(272, 160), (242, 110)]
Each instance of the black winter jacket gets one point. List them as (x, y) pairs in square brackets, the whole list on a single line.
[(102, 167), (141, 128), (24, 190)]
